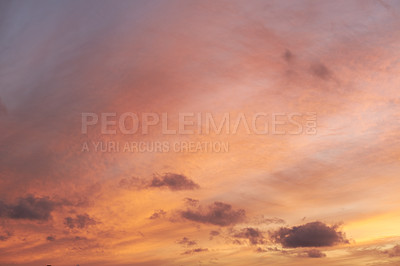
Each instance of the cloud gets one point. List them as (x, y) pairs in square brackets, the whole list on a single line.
[(158, 214), (315, 253), (114, 63), (214, 233), (321, 71), (252, 234), (30, 208), (288, 56), (187, 242), (196, 250), (174, 182), (50, 238), (218, 213), (272, 221), (6, 235), (80, 221), (263, 220), (133, 183), (315, 234), (191, 202), (261, 250), (393, 252), (168, 180)]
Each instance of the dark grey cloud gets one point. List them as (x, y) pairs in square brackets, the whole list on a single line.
[(30, 208), (254, 235), (50, 238), (315, 234), (80, 221), (191, 202), (321, 71), (196, 250), (315, 253), (218, 213), (158, 214), (169, 180), (80, 238), (187, 242), (214, 233), (288, 56), (5, 235), (174, 182)]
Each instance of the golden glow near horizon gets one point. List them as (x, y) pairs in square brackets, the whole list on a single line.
[(199, 133)]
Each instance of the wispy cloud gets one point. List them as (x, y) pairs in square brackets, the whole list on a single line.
[(80, 221), (169, 180), (218, 213)]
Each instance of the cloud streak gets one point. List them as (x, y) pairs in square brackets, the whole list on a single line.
[(195, 250)]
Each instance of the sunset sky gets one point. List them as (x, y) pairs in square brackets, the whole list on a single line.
[(324, 197)]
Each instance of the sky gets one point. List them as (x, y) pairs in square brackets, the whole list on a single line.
[(321, 186)]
